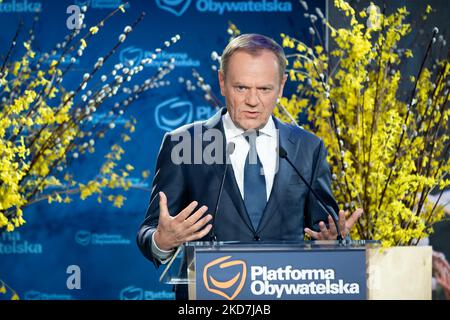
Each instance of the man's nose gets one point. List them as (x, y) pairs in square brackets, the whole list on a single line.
[(252, 98)]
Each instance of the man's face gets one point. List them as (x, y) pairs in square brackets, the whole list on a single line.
[(251, 88)]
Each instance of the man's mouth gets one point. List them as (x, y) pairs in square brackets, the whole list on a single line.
[(251, 114)]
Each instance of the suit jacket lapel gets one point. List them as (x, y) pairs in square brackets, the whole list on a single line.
[(287, 140), (230, 184)]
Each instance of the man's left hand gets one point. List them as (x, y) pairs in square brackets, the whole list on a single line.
[(331, 233)]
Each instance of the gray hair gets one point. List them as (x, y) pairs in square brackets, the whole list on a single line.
[(253, 43)]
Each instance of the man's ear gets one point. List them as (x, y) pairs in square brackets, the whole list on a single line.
[(283, 82), (221, 82)]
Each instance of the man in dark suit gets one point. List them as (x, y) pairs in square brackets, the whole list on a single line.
[(263, 198)]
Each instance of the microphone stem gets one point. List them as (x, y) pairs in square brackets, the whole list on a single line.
[(338, 229), (213, 233), (229, 150)]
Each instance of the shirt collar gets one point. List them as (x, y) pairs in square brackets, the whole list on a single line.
[(232, 131)]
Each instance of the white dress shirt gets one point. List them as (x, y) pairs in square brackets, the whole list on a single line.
[(266, 147)]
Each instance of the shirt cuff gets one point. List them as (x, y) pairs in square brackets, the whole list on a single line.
[(162, 255)]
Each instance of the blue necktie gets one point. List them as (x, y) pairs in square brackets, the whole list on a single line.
[(254, 182)]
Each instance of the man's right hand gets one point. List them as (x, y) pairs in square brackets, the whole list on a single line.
[(174, 231)]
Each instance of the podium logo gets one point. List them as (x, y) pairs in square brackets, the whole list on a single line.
[(228, 289), (173, 113), (177, 7)]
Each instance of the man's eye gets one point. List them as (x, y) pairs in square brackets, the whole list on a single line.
[(240, 88), (265, 89)]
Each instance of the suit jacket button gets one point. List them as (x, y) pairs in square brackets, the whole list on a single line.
[(256, 238)]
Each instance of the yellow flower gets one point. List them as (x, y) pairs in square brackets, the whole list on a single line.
[(89, 189), (3, 289), (93, 30), (300, 76), (16, 68), (15, 297), (292, 76), (122, 8), (21, 221), (319, 49), (125, 137), (3, 220), (297, 64), (301, 47), (118, 201), (83, 43), (107, 167)]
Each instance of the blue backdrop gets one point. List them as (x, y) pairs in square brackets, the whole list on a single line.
[(99, 238)]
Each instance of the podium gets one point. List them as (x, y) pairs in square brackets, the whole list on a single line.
[(317, 270)]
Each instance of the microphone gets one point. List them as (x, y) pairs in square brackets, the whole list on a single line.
[(283, 154), (230, 149)]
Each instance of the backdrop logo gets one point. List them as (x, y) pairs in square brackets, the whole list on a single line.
[(101, 4), (132, 293), (173, 113), (106, 118), (84, 238), (177, 7), (36, 295), (137, 182), (131, 54), (12, 243), (135, 293), (83, 2), (225, 288), (20, 6), (67, 59)]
